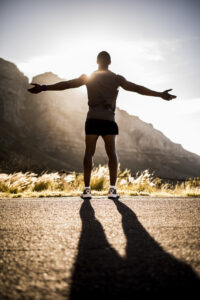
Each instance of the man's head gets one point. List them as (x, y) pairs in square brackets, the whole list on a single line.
[(103, 59)]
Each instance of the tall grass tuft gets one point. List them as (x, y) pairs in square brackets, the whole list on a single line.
[(99, 178), (71, 183)]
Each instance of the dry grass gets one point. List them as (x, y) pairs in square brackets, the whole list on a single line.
[(53, 184)]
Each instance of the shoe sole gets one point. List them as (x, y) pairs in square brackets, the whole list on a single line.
[(114, 197), (87, 197)]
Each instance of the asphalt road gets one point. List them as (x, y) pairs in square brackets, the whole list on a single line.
[(67, 248)]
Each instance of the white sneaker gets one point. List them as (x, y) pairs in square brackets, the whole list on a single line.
[(112, 194), (86, 194)]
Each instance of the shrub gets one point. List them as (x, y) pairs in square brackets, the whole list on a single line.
[(41, 186)]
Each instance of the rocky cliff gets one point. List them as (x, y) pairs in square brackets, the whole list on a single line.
[(46, 132)]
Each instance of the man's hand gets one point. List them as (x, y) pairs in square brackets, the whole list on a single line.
[(166, 96), (36, 89)]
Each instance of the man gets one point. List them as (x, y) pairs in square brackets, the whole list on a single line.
[(102, 87)]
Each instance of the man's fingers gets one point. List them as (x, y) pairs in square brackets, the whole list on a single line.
[(167, 91), (172, 97), (33, 90), (35, 84), (168, 97)]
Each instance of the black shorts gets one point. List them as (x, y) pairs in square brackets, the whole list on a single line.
[(101, 127)]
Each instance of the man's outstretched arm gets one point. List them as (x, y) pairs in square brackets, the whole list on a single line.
[(132, 87), (63, 85)]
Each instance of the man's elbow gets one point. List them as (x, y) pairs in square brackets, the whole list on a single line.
[(70, 84)]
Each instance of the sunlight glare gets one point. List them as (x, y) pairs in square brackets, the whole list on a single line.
[(71, 59)]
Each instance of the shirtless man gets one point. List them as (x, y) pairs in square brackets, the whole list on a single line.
[(102, 87)]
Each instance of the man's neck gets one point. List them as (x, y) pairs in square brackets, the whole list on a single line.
[(100, 68)]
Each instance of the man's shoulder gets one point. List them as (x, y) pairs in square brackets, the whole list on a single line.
[(118, 76), (83, 78), (121, 79)]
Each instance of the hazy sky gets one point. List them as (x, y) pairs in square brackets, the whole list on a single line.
[(155, 43)]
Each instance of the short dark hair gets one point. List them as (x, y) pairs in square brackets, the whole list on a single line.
[(104, 58)]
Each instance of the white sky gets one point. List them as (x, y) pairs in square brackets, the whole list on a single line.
[(153, 43)]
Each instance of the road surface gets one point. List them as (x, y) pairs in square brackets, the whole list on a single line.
[(67, 248)]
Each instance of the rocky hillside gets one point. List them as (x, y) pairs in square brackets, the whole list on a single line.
[(46, 132)]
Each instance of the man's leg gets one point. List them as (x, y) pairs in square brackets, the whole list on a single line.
[(90, 143), (112, 157)]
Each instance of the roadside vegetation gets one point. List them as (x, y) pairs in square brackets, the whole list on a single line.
[(71, 184)]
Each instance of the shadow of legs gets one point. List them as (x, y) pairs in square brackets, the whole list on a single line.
[(96, 262), (148, 265)]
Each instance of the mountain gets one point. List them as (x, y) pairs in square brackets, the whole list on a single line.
[(46, 132)]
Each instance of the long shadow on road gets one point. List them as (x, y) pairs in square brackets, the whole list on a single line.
[(100, 273)]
